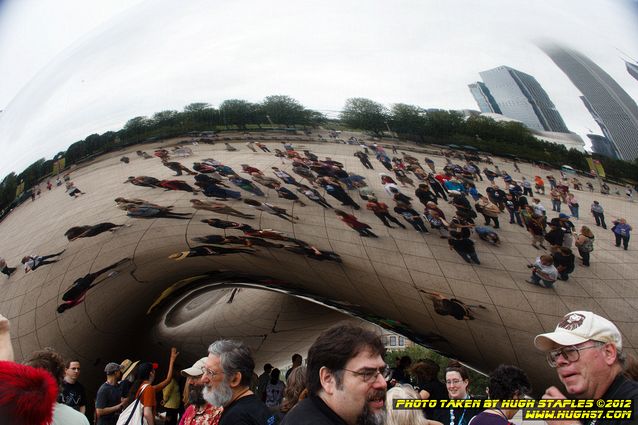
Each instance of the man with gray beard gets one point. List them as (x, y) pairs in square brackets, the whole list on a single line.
[(226, 377), (345, 380)]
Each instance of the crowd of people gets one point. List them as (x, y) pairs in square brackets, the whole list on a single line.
[(406, 182), (345, 381)]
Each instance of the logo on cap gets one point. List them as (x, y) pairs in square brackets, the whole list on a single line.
[(572, 321)]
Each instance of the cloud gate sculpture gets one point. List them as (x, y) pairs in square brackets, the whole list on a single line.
[(278, 269)]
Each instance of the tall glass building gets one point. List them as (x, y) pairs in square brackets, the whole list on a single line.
[(632, 69), (602, 146), (612, 108), (518, 95), (484, 99)]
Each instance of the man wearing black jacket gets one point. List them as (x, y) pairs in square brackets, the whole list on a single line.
[(345, 379)]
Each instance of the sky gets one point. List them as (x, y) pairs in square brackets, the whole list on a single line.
[(71, 68)]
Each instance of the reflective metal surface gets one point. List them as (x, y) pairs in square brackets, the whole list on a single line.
[(275, 279)]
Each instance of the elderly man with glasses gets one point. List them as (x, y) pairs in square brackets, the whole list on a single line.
[(586, 350), (226, 376), (346, 379)]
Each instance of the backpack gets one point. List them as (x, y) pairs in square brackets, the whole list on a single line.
[(588, 245), (134, 413)]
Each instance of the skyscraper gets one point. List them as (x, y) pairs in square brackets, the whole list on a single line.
[(632, 69), (484, 99), (603, 146), (613, 109), (518, 95)]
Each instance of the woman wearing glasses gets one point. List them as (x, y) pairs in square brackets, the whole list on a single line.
[(457, 380)]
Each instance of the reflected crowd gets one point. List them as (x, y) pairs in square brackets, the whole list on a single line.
[(345, 378)]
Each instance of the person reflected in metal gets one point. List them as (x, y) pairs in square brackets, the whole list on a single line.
[(285, 193), (4, 268), (152, 211), (334, 189), (177, 185), (451, 306), (73, 191), (238, 240), (271, 209), (247, 185), (78, 290), (351, 221), (314, 253), (219, 208), (177, 167), (313, 195), (32, 262), (269, 182), (224, 224), (77, 232), (209, 250), (144, 181)]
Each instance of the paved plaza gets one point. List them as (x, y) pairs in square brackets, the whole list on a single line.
[(150, 302)]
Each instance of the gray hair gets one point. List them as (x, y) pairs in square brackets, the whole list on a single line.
[(234, 356)]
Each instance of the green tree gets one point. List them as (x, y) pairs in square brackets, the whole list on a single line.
[(365, 114), (283, 110), (407, 119), (134, 130), (443, 123), (314, 118), (237, 112), (8, 190), (196, 107)]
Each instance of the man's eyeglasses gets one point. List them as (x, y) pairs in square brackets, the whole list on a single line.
[(571, 353), (453, 382), (211, 373), (371, 374)]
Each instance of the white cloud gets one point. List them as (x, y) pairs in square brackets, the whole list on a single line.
[(163, 54)]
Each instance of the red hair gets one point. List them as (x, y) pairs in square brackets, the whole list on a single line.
[(27, 394)]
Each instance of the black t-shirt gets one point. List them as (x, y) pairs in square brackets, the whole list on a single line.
[(462, 245), (247, 411), (125, 387), (312, 411), (566, 261), (555, 236), (72, 395), (107, 396), (436, 388), (621, 389)]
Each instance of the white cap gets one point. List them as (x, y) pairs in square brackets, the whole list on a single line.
[(577, 327), (195, 370)]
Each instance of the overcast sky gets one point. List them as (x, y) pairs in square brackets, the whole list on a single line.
[(69, 69)]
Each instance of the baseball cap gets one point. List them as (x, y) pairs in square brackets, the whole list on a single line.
[(195, 370), (111, 368), (563, 215), (577, 327)]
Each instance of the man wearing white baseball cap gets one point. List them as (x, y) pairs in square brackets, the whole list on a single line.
[(586, 350), (198, 410), (192, 375)]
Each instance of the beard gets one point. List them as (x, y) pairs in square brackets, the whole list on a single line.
[(219, 396), (196, 397), (368, 417)]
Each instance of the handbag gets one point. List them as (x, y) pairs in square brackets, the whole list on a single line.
[(134, 413)]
